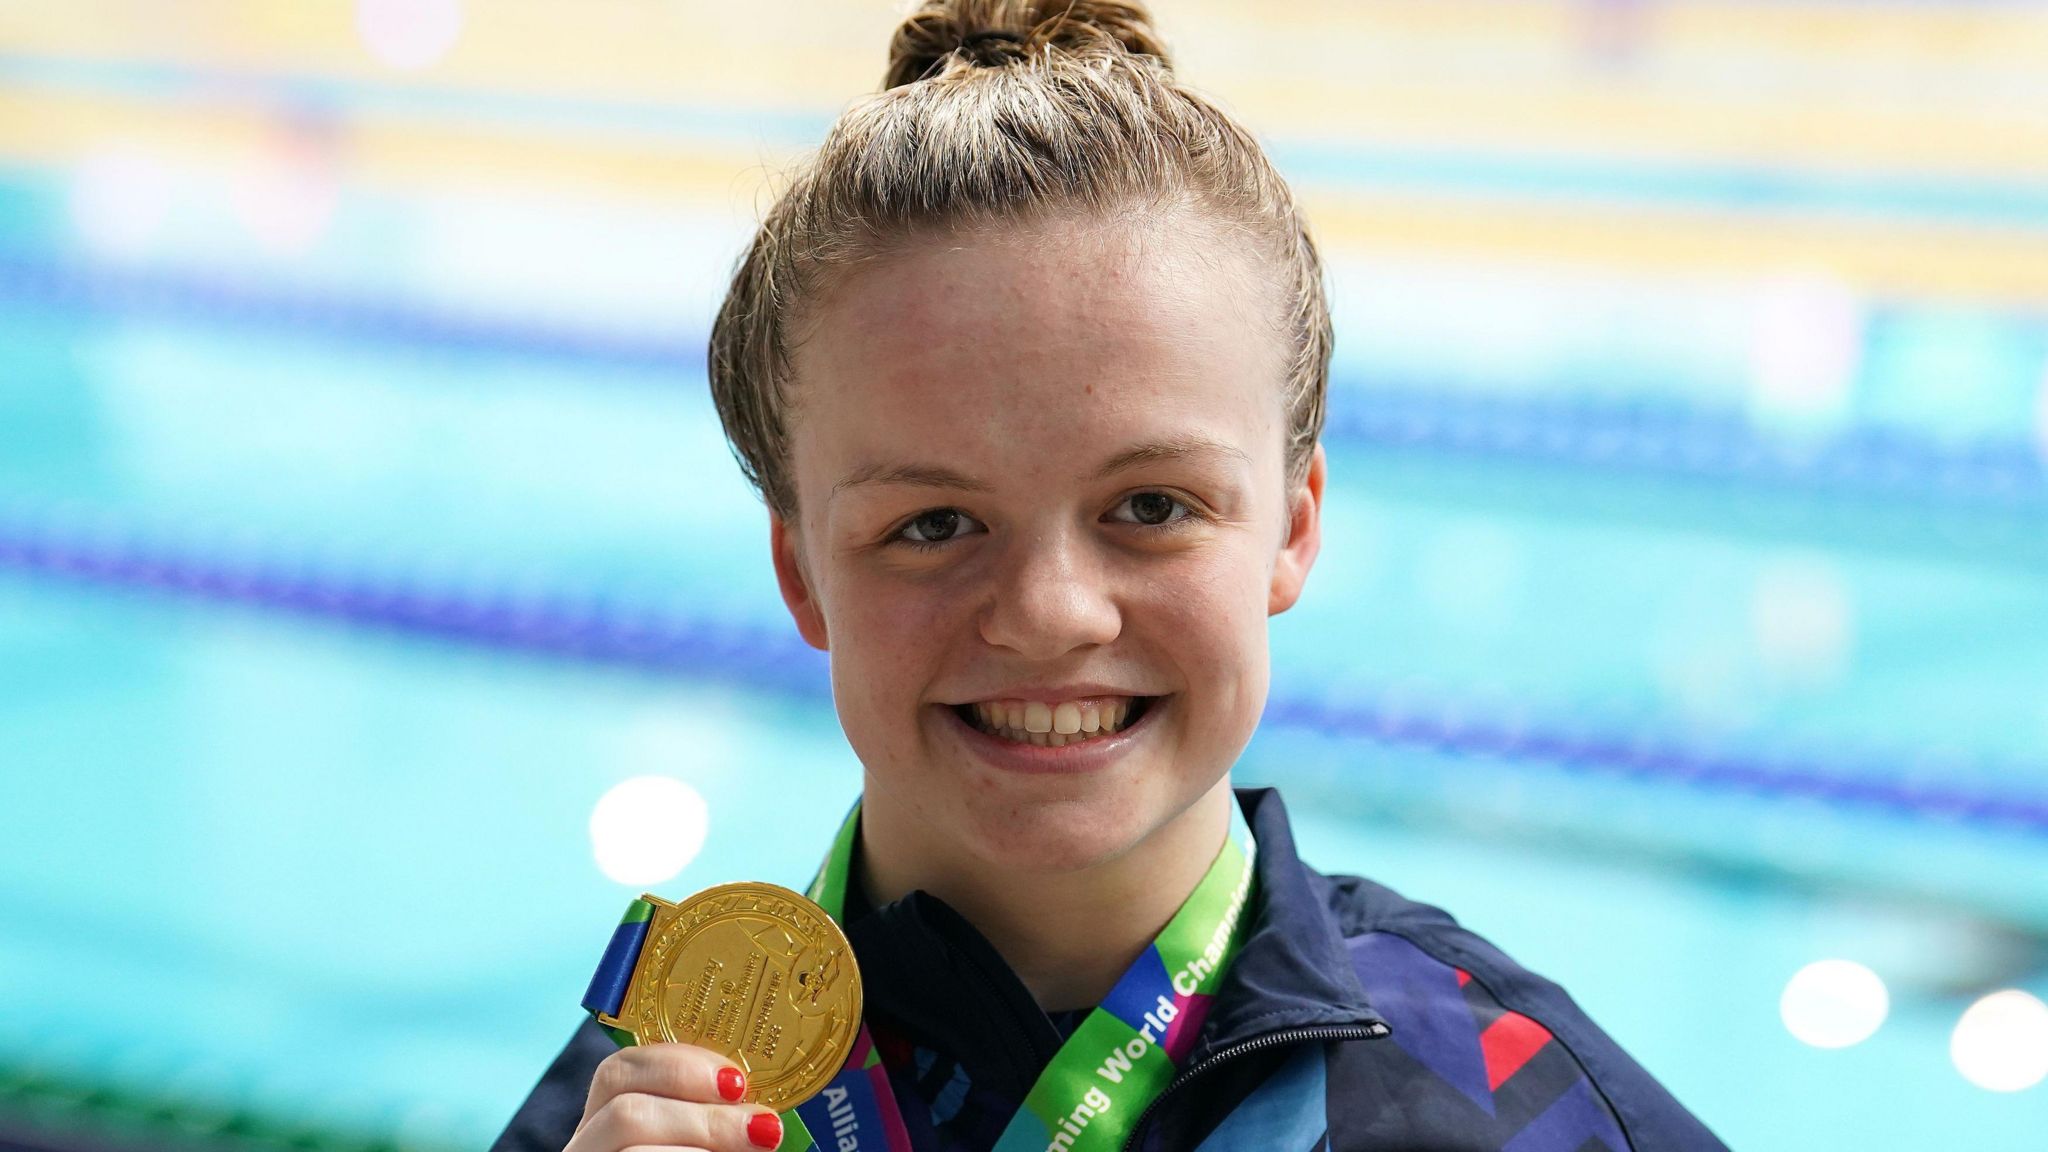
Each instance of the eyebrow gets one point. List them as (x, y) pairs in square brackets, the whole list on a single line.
[(915, 475), (1185, 447)]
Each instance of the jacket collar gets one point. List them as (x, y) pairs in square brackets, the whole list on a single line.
[(1294, 970), (936, 980)]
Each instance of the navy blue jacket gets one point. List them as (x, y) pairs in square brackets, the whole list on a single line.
[(1352, 1020)]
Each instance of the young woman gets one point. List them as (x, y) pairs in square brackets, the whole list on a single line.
[(1029, 366)]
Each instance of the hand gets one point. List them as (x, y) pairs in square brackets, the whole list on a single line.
[(671, 1096)]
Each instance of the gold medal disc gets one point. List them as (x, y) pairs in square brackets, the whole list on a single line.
[(755, 972)]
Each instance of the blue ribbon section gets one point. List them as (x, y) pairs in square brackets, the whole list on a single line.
[(608, 987)]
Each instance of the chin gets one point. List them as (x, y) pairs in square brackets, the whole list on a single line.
[(1048, 836), (1047, 839)]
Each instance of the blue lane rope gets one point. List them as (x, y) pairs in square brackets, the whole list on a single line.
[(1664, 437), (587, 628), (330, 313), (1659, 436)]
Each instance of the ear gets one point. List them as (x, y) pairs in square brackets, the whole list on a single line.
[(797, 595), (1304, 538)]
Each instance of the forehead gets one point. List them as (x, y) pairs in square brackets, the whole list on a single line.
[(1029, 348)]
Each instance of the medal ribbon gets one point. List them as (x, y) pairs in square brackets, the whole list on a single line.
[(1089, 1098)]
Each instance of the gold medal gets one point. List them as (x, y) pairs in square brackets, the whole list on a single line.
[(755, 972)]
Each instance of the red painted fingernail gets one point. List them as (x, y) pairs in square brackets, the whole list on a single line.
[(732, 1083), (765, 1130)]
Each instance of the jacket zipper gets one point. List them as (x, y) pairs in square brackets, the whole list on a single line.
[(1020, 1031), (1326, 1032)]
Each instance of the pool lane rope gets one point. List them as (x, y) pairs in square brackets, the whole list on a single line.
[(588, 628), (1658, 436)]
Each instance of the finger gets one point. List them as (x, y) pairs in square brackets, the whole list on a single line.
[(635, 1118), (677, 1071)]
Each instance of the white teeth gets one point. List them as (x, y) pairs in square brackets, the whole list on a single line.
[(1051, 725)]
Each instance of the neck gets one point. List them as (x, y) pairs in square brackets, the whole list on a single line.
[(1122, 903)]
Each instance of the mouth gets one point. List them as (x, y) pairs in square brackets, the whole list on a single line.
[(1055, 725)]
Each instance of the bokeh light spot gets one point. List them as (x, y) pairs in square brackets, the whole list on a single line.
[(286, 201), (2001, 1043), (1807, 345), (647, 829), (1834, 1004), (409, 34), (120, 197)]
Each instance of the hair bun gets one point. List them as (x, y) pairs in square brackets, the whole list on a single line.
[(989, 32)]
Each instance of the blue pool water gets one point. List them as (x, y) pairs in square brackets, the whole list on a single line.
[(339, 583), (342, 871)]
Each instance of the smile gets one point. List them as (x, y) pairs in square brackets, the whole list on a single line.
[(1054, 725)]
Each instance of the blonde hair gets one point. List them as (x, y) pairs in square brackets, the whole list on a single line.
[(997, 111)]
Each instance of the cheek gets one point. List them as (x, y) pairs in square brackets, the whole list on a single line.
[(1211, 619), (887, 634)]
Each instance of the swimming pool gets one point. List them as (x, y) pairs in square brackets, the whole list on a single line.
[(337, 588)]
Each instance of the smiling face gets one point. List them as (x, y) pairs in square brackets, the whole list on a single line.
[(1040, 482)]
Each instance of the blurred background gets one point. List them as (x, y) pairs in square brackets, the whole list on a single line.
[(373, 572)]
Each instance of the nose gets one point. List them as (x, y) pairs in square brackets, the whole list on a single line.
[(1052, 595)]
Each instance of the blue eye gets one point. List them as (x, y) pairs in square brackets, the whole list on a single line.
[(933, 528), (1155, 510)]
